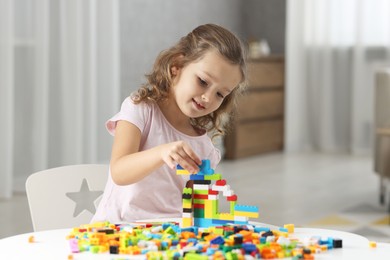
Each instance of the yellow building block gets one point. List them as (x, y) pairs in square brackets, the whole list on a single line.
[(225, 216), (182, 172), (246, 214), (290, 228), (372, 244), (208, 209), (187, 204), (279, 233), (186, 222)]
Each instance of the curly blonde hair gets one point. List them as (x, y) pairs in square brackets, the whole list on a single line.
[(191, 48)]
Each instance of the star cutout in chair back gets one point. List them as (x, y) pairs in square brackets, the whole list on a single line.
[(84, 199)]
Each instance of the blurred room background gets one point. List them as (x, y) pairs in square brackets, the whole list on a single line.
[(66, 66)]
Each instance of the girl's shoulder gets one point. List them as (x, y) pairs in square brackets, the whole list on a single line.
[(130, 104)]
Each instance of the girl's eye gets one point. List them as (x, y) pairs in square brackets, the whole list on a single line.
[(220, 95), (202, 82)]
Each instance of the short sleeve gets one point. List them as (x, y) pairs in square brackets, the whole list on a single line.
[(215, 157), (133, 113)]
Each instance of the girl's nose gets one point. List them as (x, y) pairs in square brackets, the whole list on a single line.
[(204, 97)]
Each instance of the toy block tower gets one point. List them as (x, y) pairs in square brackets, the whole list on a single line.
[(201, 202)]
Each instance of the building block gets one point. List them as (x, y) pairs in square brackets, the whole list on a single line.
[(181, 171), (229, 192), (187, 204), (232, 198), (220, 188), (187, 191), (201, 187), (246, 214), (204, 192), (199, 213), (220, 183), (187, 215), (31, 239), (199, 206), (213, 177), (204, 182), (203, 222), (215, 212), (226, 216), (290, 228), (197, 177), (213, 192), (232, 206), (187, 222), (205, 168), (246, 208), (199, 200), (213, 197), (209, 209)]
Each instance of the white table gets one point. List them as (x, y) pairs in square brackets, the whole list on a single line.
[(53, 245)]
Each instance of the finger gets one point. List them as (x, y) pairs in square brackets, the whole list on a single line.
[(193, 164), (186, 162), (192, 155), (170, 162)]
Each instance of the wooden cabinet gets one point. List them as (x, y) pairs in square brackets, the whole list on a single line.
[(258, 124)]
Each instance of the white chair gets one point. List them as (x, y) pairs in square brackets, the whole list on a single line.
[(65, 197), (382, 131)]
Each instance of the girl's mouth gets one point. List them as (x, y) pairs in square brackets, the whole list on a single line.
[(197, 105)]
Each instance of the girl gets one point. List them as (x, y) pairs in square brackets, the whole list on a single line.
[(167, 121)]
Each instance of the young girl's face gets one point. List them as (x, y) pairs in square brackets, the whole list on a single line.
[(200, 87)]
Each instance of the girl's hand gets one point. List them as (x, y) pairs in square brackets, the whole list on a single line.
[(180, 153)]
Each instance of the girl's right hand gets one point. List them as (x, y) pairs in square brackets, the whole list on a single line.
[(180, 153)]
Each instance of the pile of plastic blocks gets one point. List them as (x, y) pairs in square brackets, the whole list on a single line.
[(169, 241)]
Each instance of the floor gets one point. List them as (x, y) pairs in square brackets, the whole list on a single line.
[(312, 190)]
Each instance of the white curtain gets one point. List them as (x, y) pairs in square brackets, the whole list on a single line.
[(333, 49), (59, 82)]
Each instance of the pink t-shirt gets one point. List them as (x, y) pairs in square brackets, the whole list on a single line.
[(159, 195)]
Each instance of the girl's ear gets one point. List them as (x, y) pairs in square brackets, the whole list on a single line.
[(174, 70)]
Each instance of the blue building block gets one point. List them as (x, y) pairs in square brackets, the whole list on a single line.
[(241, 222), (196, 177), (217, 241), (249, 248), (283, 229), (218, 222), (246, 208), (203, 222), (261, 229), (205, 168), (193, 229)]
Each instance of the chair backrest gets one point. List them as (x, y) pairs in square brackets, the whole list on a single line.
[(382, 114), (65, 197), (382, 98)]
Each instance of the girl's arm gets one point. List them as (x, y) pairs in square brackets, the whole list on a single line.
[(129, 165)]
